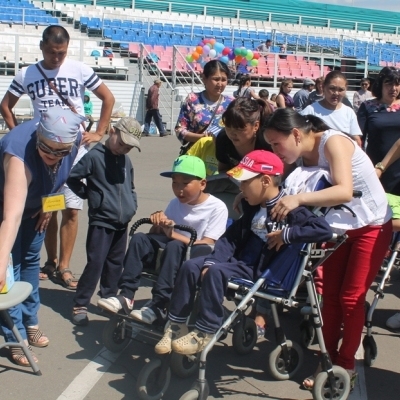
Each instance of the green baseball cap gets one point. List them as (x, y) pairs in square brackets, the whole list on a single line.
[(188, 165)]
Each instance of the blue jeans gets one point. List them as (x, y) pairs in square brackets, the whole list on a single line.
[(153, 114), (26, 260)]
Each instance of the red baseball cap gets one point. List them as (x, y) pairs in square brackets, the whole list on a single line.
[(255, 163)]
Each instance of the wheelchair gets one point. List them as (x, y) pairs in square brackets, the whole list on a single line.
[(154, 378), (287, 357)]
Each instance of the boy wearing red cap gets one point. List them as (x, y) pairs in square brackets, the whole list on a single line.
[(245, 249)]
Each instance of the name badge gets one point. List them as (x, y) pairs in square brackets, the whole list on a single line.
[(53, 202)]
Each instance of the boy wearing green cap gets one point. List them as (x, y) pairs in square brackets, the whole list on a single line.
[(192, 207)]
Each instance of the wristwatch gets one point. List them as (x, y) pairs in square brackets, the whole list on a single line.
[(380, 166)]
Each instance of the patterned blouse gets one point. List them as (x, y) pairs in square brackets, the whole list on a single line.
[(196, 113)]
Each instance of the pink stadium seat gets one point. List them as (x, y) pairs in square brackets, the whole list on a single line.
[(291, 58), (297, 74), (284, 72), (164, 66), (262, 70), (299, 58)]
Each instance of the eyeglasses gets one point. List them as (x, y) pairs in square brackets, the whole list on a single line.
[(47, 150)]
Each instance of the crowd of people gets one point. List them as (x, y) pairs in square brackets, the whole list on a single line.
[(256, 140)]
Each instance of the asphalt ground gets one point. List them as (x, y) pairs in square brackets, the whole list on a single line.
[(76, 365)]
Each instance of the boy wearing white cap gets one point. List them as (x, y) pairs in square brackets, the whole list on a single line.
[(112, 199), (246, 249)]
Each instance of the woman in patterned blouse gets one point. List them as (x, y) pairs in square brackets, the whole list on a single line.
[(198, 108)]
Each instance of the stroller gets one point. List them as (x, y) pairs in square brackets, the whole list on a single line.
[(279, 284)]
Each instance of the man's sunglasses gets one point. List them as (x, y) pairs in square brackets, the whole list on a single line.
[(47, 150)]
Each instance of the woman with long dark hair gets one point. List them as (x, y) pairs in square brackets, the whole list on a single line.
[(351, 269)]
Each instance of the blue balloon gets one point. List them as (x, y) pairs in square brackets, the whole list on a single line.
[(224, 59)]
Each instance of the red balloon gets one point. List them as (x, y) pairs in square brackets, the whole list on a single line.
[(256, 55), (238, 59), (226, 51)]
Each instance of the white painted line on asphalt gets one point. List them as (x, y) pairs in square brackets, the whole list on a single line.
[(360, 390), (90, 375)]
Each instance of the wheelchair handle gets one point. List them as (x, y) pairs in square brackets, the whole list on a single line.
[(357, 193), (185, 228)]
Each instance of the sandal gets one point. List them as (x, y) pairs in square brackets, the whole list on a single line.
[(69, 283), (353, 378), (47, 271), (308, 383), (34, 336), (18, 356), (79, 316)]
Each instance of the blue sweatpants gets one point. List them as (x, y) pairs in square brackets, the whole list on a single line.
[(213, 287)]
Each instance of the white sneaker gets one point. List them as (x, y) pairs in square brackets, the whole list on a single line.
[(115, 304), (148, 315), (394, 321)]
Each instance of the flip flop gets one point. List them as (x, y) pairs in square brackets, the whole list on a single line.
[(47, 271)]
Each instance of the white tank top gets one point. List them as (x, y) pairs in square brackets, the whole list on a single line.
[(372, 208)]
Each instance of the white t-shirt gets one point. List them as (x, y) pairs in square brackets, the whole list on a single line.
[(344, 119), (208, 218), (71, 79)]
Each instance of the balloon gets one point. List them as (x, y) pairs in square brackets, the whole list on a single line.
[(205, 41), (231, 55), (195, 56), (256, 55), (199, 50), (244, 61), (224, 59), (189, 58), (238, 59), (243, 51), (212, 42), (212, 53), (237, 51), (218, 47), (254, 62), (226, 51), (206, 49), (249, 55)]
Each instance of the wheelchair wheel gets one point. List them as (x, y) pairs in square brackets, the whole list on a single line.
[(244, 337), (370, 350), (116, 336), (278, 368), (307, 333), (192, 394), (183, 366), (148, 384), (322, 390)]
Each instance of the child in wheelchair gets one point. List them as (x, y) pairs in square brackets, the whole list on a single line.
[(191, 207), (244, 251)]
